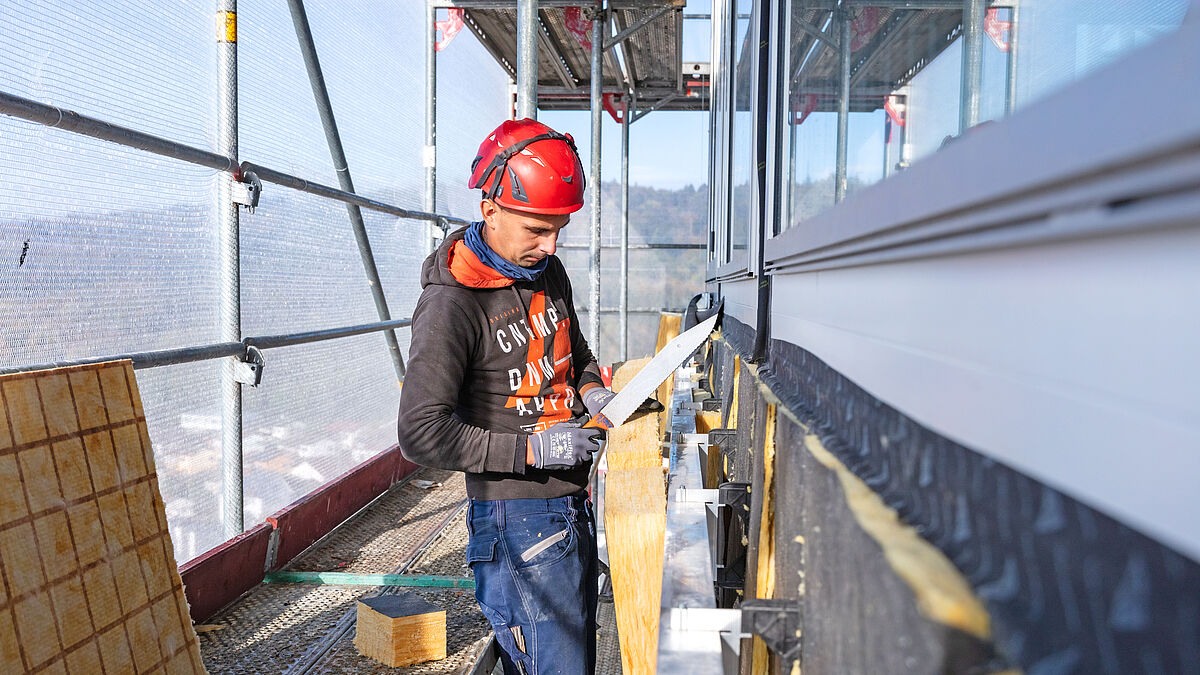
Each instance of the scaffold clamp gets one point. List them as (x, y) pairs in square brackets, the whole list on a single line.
[(249, 368), (247, 191)]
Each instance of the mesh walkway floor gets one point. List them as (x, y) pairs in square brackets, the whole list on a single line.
[(292, 628)]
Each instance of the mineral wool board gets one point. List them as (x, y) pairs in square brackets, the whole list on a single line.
[(90, 583)]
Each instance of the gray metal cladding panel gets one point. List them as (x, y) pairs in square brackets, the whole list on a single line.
[(1069, 589)]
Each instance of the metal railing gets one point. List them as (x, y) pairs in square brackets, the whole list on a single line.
[(241, 350)]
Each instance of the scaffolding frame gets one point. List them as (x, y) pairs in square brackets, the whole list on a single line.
[(239, 186), (241, 181)]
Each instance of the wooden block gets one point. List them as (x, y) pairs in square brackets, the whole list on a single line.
[(634, 520), (635, 443), (707, 421), (400, 630)]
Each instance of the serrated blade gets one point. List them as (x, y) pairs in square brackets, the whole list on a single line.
[(647, 379)]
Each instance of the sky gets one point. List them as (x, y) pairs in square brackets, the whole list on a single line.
[(667, 149)]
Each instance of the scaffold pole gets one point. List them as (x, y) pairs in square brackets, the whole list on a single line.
[(527, 58), (598, 25), (626, 110), (334, 140), (231, 291)]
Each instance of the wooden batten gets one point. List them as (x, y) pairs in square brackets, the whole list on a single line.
[(635, 443), (669, 324), (400, 630), (634, 520)]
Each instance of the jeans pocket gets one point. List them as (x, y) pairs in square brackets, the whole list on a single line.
[(542, 541)]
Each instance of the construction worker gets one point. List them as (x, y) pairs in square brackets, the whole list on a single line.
[(499, 380)]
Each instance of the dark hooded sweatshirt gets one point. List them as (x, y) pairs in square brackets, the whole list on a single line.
[(492, 360)]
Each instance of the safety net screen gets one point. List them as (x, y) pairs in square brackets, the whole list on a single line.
[(107, 250)]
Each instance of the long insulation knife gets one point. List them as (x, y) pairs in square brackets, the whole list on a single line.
[(670, 357)]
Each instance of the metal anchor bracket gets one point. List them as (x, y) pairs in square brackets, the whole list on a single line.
[(777, 622)]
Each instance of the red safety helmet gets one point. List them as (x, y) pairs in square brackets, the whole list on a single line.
[(525, 165)]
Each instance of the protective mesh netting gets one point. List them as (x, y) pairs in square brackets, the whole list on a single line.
[(106, 250)]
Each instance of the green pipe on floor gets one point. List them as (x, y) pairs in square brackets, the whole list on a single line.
[(350, 579)]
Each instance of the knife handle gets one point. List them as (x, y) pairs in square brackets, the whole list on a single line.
[(598, 422)]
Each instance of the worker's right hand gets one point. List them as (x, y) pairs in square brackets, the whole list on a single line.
[(564, 446)]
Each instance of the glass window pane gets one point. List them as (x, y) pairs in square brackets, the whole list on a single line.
[(741, 197), (907, 80)]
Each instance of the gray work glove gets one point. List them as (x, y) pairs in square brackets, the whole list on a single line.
[(597, 397), (564, 446)]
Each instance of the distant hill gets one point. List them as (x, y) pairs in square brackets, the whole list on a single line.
[(655, 215), (660, 279)]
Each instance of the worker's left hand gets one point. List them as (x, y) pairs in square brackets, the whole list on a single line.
[(596, 398)]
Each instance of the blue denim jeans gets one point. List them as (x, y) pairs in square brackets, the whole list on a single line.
[(535, 570)]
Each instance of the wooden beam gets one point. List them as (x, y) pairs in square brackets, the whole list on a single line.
[(669, 324), (634, 521)]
